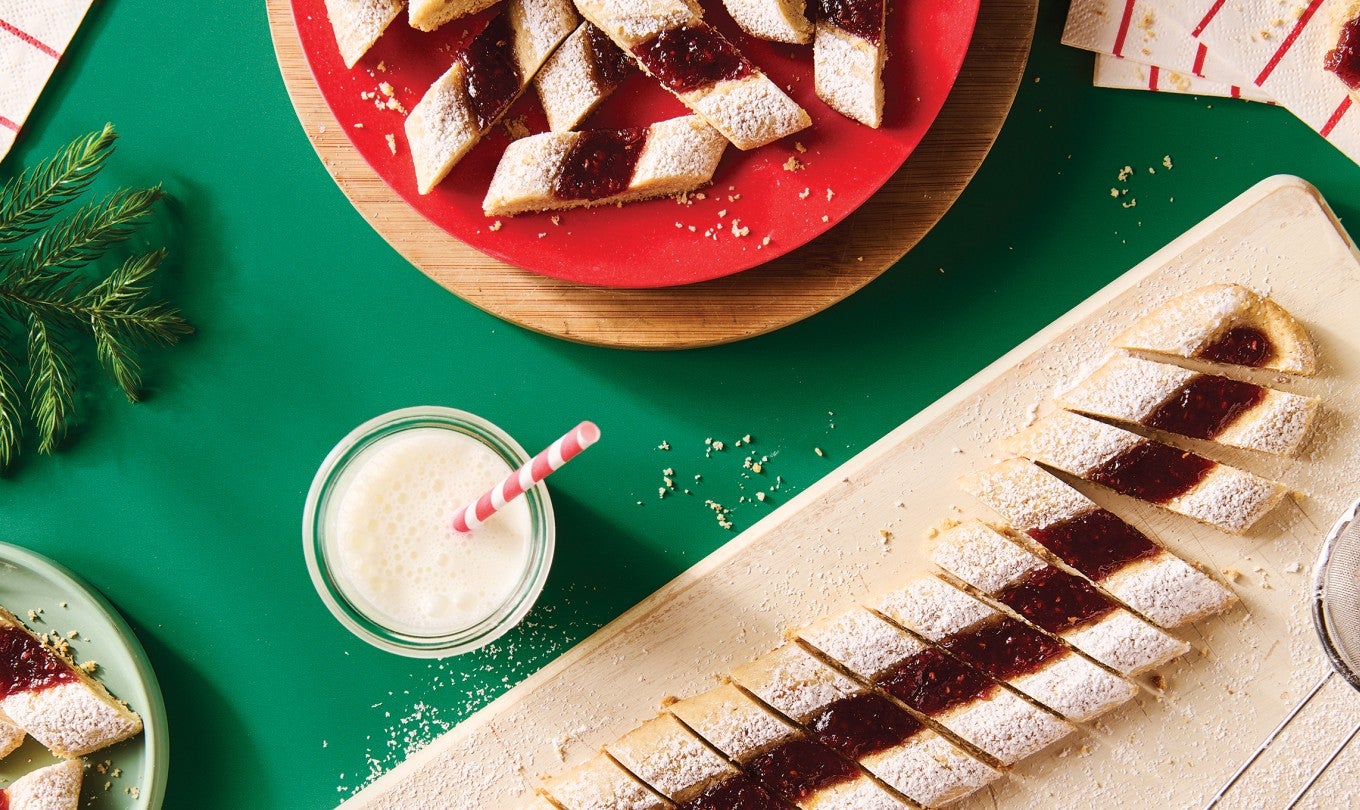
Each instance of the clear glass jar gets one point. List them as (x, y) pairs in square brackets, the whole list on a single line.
[(320, 551)]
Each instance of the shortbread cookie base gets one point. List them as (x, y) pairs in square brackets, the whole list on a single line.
[(602, 783), (774, 20), (428, 15), (56, 787), (848, 72), (359, 23)]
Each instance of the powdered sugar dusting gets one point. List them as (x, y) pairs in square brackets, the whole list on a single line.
[(665, 755), (1026, 496), (864, 643), (984, 559), (928, 606), (1076, 688)]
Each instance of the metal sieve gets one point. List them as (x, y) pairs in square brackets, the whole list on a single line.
[(1336, 617)]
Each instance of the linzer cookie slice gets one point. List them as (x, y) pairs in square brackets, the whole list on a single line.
[(56, 787), (1201, 406), (560, 170), (1123, 561), (1225, 323), (672, 43), (1063, 604), (485, 79), (427, 15), (359, 23), (1129, 464), (862, 724), (1036, 664), (667, 756), (786, 761), (848, 56), (601, 783), (55, 702), (775, 20), (994, 720), (581, 73)]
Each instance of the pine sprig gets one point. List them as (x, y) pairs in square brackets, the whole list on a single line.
[(11, 427), (51, 384), (85, 236), (51, 289), (29, 200)]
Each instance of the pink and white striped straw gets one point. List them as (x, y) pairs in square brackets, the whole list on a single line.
[(523, 479)]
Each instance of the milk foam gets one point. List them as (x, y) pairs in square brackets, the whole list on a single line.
[(391, 538)]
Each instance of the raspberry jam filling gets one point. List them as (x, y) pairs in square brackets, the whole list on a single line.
[(1204, 407), (493, 78), (932, 682), (1344, 59), (1153, 471), (688, 58), (1096, 543), (1239, 346), (27, 666), (863, 18), (863, 724), (1055, 600), (798, 768), (1004, 648), (739, 792), (609, 65), (600, 164)]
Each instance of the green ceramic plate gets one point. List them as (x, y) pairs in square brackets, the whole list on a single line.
[(30, 581)]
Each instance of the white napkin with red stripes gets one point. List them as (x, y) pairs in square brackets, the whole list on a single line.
[(1266, 50), (33, 36)]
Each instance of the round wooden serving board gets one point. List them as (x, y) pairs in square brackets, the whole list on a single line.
[(760, 300)]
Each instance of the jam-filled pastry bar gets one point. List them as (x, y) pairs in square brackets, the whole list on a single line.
[(427, 15), (863, 725), (1123, 561), (1036, 664), (848, 56), (600, 784), (669, 757), (671, 42), (359, 23), (1225, 323), (581, 73), (788, 762), (56, 787), (485, 79), (1201, 406), (960, 698), (1175, 479), (1063, 604), (559, 170), (55, 702)]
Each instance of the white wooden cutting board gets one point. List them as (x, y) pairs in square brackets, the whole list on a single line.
[(824, 551)]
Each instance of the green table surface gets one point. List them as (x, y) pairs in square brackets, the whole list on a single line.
[(185, 509)]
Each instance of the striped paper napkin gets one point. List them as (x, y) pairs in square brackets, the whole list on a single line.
[(33, 36)]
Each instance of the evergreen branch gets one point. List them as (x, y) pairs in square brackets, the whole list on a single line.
[(29, 200), (51, 387), (116, 358), (11, 426), (84, 236)]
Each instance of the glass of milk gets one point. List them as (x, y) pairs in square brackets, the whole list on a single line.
[(378, 533)]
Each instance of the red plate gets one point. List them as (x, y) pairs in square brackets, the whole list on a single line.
[(779, 205)]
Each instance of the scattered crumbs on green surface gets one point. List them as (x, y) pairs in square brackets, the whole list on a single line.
[(446, 691)]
